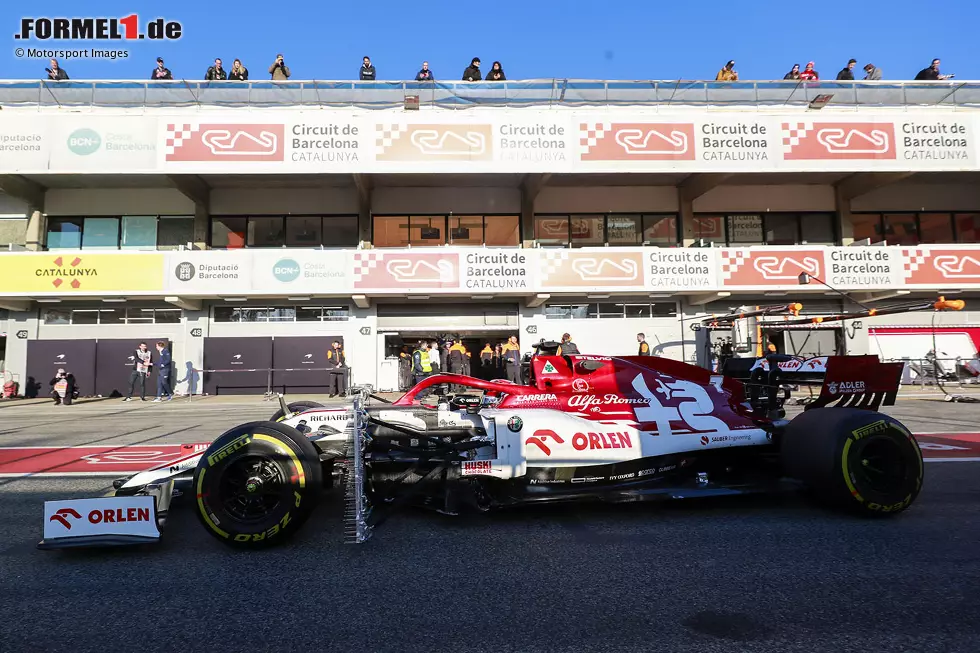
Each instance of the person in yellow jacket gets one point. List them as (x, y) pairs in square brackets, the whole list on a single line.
[(567, 347), (727, 74), (457, 353), (644, 346), (337, 366), (486, 355)]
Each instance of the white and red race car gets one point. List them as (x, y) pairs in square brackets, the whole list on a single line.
[(586, 428)]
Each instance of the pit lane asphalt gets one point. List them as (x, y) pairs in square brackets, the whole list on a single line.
[(759, 574)]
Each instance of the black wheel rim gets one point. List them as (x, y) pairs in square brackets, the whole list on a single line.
[(881, 466), (251, 488)]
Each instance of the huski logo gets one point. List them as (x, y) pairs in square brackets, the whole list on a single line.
[(637, 141), (836, 141), (434, 142), (224, 142), (84, 142), (286, 270)]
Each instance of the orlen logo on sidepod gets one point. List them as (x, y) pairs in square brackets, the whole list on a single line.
[(286, 270)]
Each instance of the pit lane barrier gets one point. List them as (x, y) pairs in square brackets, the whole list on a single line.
[(270, 394)]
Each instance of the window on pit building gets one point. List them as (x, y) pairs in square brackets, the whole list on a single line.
[(610, 310), (597, 229)]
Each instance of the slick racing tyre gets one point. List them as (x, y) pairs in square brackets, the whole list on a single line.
[(295, 407), (860, 460), (257, 484)]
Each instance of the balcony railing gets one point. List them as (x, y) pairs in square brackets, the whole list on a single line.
[(460, 95)]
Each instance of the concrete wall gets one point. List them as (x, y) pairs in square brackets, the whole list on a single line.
[(276, 201), (920, 197), (460, 201), (732, 199), (607, 199), (122, 201)]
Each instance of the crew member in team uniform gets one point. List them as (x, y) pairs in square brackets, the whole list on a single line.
[(644, 347), (511, 354), (567, 347), (421, 365), (486, 356), (336, 370), (404, 369), (456, 354), (467, 358)]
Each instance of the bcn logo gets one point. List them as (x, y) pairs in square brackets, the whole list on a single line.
[(286, 270), (84, 142)]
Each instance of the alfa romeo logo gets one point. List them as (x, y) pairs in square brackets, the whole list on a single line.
[(515, 424)]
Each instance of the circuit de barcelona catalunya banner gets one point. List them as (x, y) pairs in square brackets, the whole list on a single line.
[(482, 271), (485, 141)]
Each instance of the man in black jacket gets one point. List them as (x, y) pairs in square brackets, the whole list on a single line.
[(142, 362), (847, 73), (337, 370), (368, 73), (425, 75), (55, 73), (472, 73), (567, 347), (932, 74), (161, 71), (216, 72), (644, 349)]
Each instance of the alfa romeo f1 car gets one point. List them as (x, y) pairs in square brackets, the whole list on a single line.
[(586, 428)]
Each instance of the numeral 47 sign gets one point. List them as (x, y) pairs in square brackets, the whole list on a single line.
[(693, 410)]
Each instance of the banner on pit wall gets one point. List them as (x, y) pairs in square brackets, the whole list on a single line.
[(80, 273), (487, 140)]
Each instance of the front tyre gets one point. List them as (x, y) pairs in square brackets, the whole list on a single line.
[(860, 460), (257, 484)]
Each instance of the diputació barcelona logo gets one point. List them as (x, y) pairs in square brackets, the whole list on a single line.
[(127, 28)]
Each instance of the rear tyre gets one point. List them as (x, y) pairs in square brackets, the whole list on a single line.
[(295, 407), (257, 484), (860, 460)]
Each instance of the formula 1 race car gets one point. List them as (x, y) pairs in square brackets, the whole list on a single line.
[(586, 428)]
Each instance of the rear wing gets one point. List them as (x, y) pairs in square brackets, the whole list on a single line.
[(853, 381)]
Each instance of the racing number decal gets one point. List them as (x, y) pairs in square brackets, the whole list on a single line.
[(694, 413)]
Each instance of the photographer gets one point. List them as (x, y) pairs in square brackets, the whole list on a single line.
[(279, 70), (56, 73), (63, 388)]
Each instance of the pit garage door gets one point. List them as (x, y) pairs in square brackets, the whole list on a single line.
[(114, 365), (242, 365), (45, 357), (299, 363)]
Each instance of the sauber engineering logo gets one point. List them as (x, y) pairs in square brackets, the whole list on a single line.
[(224, 142), (637, 141), (835, 141), (62, 515)]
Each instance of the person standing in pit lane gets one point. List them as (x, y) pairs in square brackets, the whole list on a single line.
[(486, 356), (336, 370), (421, 363), (511, 354), (142, 362), (644, 347), (404, 369)]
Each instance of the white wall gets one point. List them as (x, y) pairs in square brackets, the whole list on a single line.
[(266, 201), (461, 201), (607, 199), (615, 337), (730, 199), (920, 197), (122, 201)]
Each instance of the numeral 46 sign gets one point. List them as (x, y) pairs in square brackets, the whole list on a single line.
[(691, 414)]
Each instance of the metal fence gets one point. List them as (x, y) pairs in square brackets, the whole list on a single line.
[(930, 371), (460, 95)]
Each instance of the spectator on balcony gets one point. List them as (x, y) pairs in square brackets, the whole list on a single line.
[(727, 73), (794, 73), (809, 74), (161, 72), (847, 72), (279, 70), (425, 75), (496, 73), (932, 74), (872, 73), (368, 73), (239, 73), (215, 72), (472, 72), (56, 73)]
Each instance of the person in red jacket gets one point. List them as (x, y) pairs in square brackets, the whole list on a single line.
[(809, 74)]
